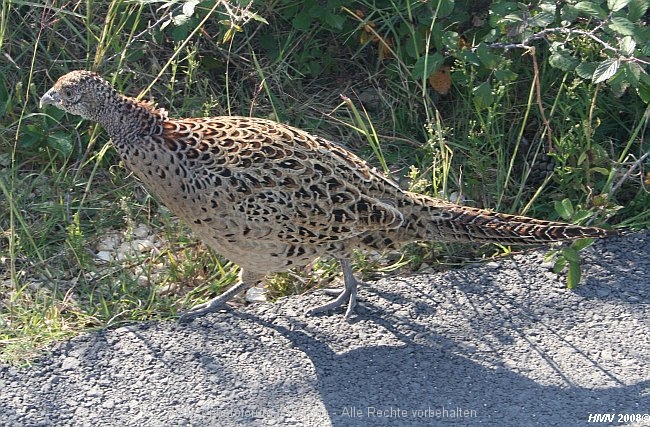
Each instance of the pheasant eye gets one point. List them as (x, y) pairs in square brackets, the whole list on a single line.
[(68, 93)]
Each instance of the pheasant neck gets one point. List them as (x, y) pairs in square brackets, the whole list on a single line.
[(129, 118)]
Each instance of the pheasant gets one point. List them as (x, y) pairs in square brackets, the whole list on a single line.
[(271, 197)]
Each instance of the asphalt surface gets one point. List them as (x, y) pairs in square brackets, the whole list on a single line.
[(503, 343)]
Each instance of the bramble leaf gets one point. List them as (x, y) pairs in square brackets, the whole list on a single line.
[(636, 9), (586, 70), (615, 5), (591, 9), (627, 45), (644, 88), (563, 60), (633, 73), (622, 26), (542, 19), (606, 69)]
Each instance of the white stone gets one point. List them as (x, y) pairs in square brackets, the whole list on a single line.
[(142, 231), (256, 294), (105, 256), (109, 242)]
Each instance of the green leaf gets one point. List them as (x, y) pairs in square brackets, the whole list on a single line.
[(548, 256), (489, 59), (4, 93), (563, 61), (317, 11), (645, 35), (591, 9), (618, 84), (636, 9), (61, 142), (571, 255), (581, 244), (633, 73), (503, 8), (443, 7), (179, 33), (627, 45), (512, 18), (514, 23), (505, 76), (622, 26), (426, 65), (568, 14), (564, 208), (416, 45), (31, 137), (542, 19), (581, 216), (256, 17), (602, 171), (575, 273), (302, 21), (314, 67), (470, 57), (483, 95), (644, 93), (644, 88), (450, 40), (559, 265), (615, 5), (606, 70), (549, 6), (335, 21), (586, 70)]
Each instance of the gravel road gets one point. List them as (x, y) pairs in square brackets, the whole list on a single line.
[(502, 343)]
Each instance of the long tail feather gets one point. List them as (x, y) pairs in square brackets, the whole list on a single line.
[(445, 221)]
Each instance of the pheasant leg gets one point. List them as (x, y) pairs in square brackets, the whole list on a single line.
[(349, 293), (217, 303)]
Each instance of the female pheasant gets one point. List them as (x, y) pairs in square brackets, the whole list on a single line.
[(271, 197)]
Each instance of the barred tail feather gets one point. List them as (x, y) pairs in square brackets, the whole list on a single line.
[(443, 221), (486, 226)]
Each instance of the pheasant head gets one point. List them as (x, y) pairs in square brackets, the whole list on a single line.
[(86, 94), (83, 93)]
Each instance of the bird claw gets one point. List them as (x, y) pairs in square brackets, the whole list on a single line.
[(199, 310), (348, 296), (333, 292), (214, 305)]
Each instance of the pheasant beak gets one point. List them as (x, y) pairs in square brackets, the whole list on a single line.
[(51, 97)]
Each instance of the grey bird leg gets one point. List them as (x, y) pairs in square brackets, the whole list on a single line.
[(217, 303), (348, 295)]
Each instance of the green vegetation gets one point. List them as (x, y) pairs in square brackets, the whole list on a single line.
[(539, 109)]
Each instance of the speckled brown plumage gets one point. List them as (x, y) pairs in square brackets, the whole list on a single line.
[(270, 197)]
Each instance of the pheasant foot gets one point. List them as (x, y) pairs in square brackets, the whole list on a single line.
[(348, 295), (215, 304)]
